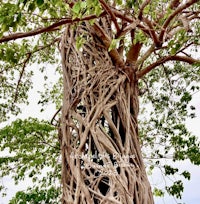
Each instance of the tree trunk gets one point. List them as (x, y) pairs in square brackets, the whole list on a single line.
[(101, 154)]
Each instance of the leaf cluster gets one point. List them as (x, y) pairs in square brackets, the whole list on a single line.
[(36, 195), (32, 146), (164, 136)]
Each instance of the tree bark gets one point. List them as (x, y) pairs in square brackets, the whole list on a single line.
[(101, 155)]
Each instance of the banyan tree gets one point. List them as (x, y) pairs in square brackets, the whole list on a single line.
[(101, 153), (102, 161), (112, 54)]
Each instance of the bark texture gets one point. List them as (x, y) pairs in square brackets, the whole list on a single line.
[(101, 156)]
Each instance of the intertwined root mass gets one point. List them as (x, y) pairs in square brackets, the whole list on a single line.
[(101, 158)]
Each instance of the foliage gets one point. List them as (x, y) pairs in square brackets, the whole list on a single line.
[(169, 87), (33, 150), (35, 196)]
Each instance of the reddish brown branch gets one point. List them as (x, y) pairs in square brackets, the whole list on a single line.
[(46, 29), (146, 70), (109, 11), (174, 4), (133, 53), (145, 30), (185, 47), (116, 58), (24, 66), (128, 28), (123, 16), (54, 116), (20, 77), (61, 22), (145, 3), (152, 32), (175, 13)]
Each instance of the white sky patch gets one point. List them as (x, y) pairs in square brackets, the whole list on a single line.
[(194, 124)]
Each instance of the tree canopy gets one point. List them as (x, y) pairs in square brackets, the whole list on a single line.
[(160, 38)]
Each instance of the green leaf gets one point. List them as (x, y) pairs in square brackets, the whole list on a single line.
[(119, 2), (40, 2), (186, 174), (158, 192), (31, 7), (186, 97), (4, 27), (97, 10), (77, 7), (80, 41), (113, 44), (131, 3), (170, 170), (176, 189)]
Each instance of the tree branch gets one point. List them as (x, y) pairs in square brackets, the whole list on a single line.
[(50, 28), (185, 26), (145, 55), (144, 4), (61, 22), (174, 4), (185, 47), (109, 11), (169, 19), (29, 54), (116, 58), (20, 77), (146, 70), (123, 16), (54, 116), (152, 32), (128, 28), (133, 53)]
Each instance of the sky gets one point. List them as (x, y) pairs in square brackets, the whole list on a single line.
[(191, 193)]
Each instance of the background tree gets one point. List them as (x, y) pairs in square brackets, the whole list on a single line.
[(115, 55)]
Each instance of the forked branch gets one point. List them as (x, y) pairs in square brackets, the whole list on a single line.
[(152, 32), (115, 56), (146, 70), (175, 13), (144, 4)]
